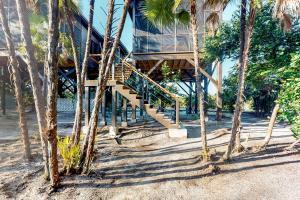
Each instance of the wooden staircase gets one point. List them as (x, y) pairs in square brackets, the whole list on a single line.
[(136, 100), (121, 73)]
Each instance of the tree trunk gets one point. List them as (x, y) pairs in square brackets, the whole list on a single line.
[(242, 75), (16, 82), (78, 114), (92, 126), (238, 145), (270, 127), (198, 81), (80, 73), (102, 80), (35, 81), (219, 91), (52, 66)]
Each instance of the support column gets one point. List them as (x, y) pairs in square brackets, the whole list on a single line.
[(196, 99), (143, 97), (103, 109), (124, 112), (206, 84), (190, 98), (219, 92), (113, 130), (133, 113), (87, 102)]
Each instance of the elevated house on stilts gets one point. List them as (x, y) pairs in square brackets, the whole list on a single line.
[(137, 77)]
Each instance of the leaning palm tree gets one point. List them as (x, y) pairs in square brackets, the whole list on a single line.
[(166, 16), (246, 34), (107, 59), (69, 9), (35, 81), (16, 82), (52, 66), (283, 10)]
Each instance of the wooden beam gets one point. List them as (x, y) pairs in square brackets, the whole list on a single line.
[(162, 55), (189, 87), (155, 66), (182, 88), (202, 71)]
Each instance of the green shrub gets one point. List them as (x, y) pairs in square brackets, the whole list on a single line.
[(69, 153)]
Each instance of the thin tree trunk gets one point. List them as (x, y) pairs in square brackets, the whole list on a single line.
[(198, 80), (102, 84), (270, 127), (52, 66), (81, 75), (16, 82), (242, 75), (92, 127), (78, 115), (238, 145), (35, 81)]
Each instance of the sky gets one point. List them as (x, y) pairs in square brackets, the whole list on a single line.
[(100, 18)]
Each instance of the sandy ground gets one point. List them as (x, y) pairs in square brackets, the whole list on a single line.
[(149, 165)]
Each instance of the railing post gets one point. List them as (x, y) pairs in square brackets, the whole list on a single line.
[(123, 76), (113, 72), (87, 105), (177, 112)]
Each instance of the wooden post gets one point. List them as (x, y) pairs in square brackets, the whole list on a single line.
[(124, 112), (190, 98), (2, 88), (206, 84), (219, 92), (143, 96), (196, 99), (177, 112), (114, 108), (103, 109), (133, 113), (113, 129), (87, 98)]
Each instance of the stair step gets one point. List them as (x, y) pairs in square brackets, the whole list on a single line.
[(126, 87), (132, 92)]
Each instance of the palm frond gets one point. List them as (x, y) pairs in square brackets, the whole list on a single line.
[(159, 12), (214, 4), (213, 21), (284, 10), (286, 6)]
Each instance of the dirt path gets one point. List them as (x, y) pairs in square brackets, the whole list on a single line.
[(149, 165)]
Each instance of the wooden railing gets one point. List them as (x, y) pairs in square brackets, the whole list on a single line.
[(173, 96)]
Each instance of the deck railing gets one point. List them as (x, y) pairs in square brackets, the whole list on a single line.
[(164, 95)]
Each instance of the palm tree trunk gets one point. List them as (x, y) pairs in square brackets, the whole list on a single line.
[(270, 127), (198, 80), (238, 145), (52, 66), (35, 81), (17, 83), (242, 76), (101, 87), (92, 127), (78, 114), (80, 73)]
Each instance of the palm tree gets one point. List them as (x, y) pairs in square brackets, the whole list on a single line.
[(80, 73), (35, 81), (17, 82), (166, 17), (105, 65), (52, 66), (196, 49), (282, 11)]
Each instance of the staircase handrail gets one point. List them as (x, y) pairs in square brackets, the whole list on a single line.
[(175, 97)]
